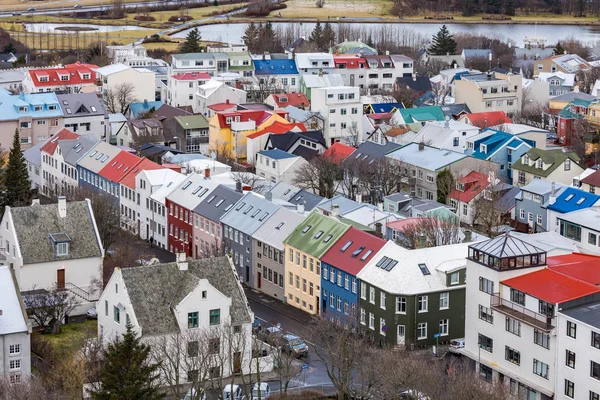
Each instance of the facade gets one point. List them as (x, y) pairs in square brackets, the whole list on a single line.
[(89, 167), (70, 78), (239, 224), (110, 175), (591, 183), (383, 70), (215, 92), (189, 132), (267, 240), (310, 82), (276, 75), (342, 111), (256, 141), (55, 179), (314, 63), (559, 82), (490, 92), (15, 330), (304, 248), (581, 227), (84, 113), (569, 200), (449, 135), (160, 183), (114, 75), (405, 305), (532, 202), (468, 189), (552, 165), (572, 115), (339, 268), (277, 165), (212, 63), (182, 87)]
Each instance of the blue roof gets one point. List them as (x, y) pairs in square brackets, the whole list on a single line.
[(573, 199), (386, 107), (494, 142), (275, 67), (10, 104), (141, 107), (276, 154)]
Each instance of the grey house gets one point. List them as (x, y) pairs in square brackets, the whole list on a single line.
[(532, 202), (84, 113), (239, 224)]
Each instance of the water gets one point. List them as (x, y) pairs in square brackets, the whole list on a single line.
[(233, 33), (51, 28)]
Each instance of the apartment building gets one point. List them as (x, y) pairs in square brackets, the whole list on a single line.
[(84, 113), (57, 178), (215, 92), (160, 183), (352, 69), (342, 113), (276, 75), (278, 166), (314, 63), (531, 204), (183, 86), (385, 69), (141, 80), (70, 78), (490, 92), (213, 63)]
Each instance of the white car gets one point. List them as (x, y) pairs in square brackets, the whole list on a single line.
[(233, 392), (263, 388), (456, 344), (91, 313)]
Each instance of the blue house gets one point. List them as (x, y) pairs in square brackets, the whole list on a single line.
[(340, 265), (500, 147), (531, 206), (569, 200), (381, 108), (90, 165), (281, 73)]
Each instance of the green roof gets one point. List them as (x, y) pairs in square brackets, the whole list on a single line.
[(553, 157), (241, 68), (412, 115), (192, 121), (357, 225), (581, 102), (316, 224)]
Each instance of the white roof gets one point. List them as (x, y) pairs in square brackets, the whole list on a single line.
[(304, 60), (438, 132), (199, 165), (369, 215), (329, 80), (585, 174), (167, 188), (551, 242), (516, 129), (588, 217), (406, 277), (192, 190), (273, 236), (112, 69), (568, 79), (12, 319), (160, 176), (430, 158)]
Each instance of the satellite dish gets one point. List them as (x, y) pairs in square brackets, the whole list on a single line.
[(213, 155)]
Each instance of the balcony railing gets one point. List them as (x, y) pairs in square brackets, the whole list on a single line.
[(517, 311)]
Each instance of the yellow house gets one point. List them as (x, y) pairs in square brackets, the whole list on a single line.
[(228, 130)]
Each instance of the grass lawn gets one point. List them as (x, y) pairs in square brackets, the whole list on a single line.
[(71, 41), (161, 45), (334, 9), (72, 336), (25, 4)]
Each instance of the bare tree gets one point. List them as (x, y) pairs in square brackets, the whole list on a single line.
[(486, 209), (580, 136), (385, 176), (117, 9), (406, 96), (49, 307), (320, 176), (431, 232), (255, 182), (445, 182), (587, 79), (262, 87), (26, 389), (320, 3), (119, 97)]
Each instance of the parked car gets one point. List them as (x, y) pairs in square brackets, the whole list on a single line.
[(272, 335), (413, 395), (294, 345), (31, 9), (191, 394), (457, 344), (16, 14), (77, 6), (256, 326), (233, 392), (263, 388), (91, 313)]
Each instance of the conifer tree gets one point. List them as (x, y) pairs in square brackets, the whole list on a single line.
[(17, 186), (442, 43), (328, 36), (559, 50), (250, 37), (192, 42), (316, 37), (127, 372)]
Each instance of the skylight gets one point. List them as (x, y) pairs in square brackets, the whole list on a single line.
[(248, 209), (581, 200), (348, 244), (385, 263), (279, 226), (255, 213), (211, 198), (367, 254), (263, 217), (203, 192), (356, 252), (569, 197), (228, 207), (240, 206), (99, 156), (286, 192), (113, 164), (93, 153), (219, 203), (424, 269), (306, 228), (104, 159), (197, 190), (319, 234), (327, 238), (187, 185)]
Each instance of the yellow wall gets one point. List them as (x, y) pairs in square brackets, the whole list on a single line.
[(303, 277), (219, 139)]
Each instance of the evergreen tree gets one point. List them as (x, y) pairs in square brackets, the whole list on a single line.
[(442, 43), (9, 48), (328, 36), (316, 37), (509, 8), (250, 37), (271, 39), (559, 50), (469, 8), (192, 42), (127, 372), (17, 186), (493, 6)]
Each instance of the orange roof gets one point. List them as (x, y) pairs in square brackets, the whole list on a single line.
[(222, 106), (53, 76), (400, 130), (585, 267), (339, 152), (551, 286), (277, 128), (291, 99), (64, 134), (486, 119), (144, 165), (474, 182)]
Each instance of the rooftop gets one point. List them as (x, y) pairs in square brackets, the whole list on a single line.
[(505, 252), (573, 199), (487, 119), (473, 184), (13, 318), (554, 158), (429, 158), (353, 251), (276, 154), (278, 227), (588, 313), (249, 213), (577, 265), (316, 234)]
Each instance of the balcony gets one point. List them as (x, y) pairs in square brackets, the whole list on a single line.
[(517, 311)]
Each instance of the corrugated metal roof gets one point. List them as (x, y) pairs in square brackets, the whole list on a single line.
[(306, 236), (249, 213), (278, 227)]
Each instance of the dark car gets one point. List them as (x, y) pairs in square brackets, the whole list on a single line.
[(256, 326), (294, 345)]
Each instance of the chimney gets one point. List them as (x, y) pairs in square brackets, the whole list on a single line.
[(181, 261), (269, 196), (359, 198), (300, 208), (62, 206), (378, 226), (380, 206), (206, 173), (35, 202), (321, 72), (468, 236), (290, 56), (227, 101), (335, 210), (421, 146), (238, 187), (387, 52)]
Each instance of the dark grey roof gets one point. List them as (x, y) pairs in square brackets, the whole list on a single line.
[(504, 246), (155, 290), (254, 106), (34, 224), (74, 150), (150, 149), (166, 111), (419, 84), (81, 104), (255, 211), (452, 110), (373, 151), (507, 199), (310, 200), (305, 152), (285, 141), (345, 204), (588, 313), (221, 199), (570, 96)]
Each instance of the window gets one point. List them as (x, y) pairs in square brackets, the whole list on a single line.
[(569, 389), (486, 343), (14, 349), (371, 321), (592, 238), (567, 164), (400, 305), (422, 301), (363, 316), (214, 344), (454, 278), (444, 301), (382, 300), (444, 327), (594, 396), (117, 314), (193, 348), (193, 320), (215, 317), (513, 326), (540, 368), (382, 327), (372, 295), (570, 359), (455, 142), (422, 330), (15, 365), (485, 373), (485, 285), (62, 249), (516, 296), (546, 308), (595, 370), (512, 355), (486, 314), (571, 329), (363, 290), (596, 340), (542, 339)]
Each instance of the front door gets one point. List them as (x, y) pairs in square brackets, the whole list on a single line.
[(258, 280), (60, 279), (401, 335), (318, 305)]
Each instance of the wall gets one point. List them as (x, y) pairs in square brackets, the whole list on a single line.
[(338, 289), (177, 242), (22, 338), (143, 83), (265, 260), (298, 293)]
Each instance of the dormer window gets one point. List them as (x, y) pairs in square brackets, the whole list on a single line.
[(23, 109), (483, 148), (38, 108), (43, 78), (52, 107), (540, 164), (64, 77), (526, 159), (85, 76), (61, 242), (228, 120), (460, 186)]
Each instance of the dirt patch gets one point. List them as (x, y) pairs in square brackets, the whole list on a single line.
[(335, 8)]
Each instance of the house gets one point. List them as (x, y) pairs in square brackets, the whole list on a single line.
[(55, 180), (414, 298), (15, 330), (314, 63), (569, 200), (490, 92), (240, 62), (55, 247), (484, 120), (310, 82), (535, 135), (476, 55), (368, 218), (567, 63), (526, 57), (282, 100), (340, 266), (338, 152), (12, 80), (467, 190), (33, 159), (418, 84), (114, 76), (196, 298), (552, 165), (353, 47), (551, 242), (351, 68), (70, 78), (269, 267), (381, 108), (131, 55), (239, 224), (277, 165), (256, 141), (84, 113), (212, 63), (215, 92), (591, 182), (560, 82), (532, 202), (310, 120), (450, 134), (161, 183), (500, 147), (369, 152), (183, 86), (342, 110), (139, 132), (140, 109), (188, 132), (557, 103), (420, 115), (303, 144), (304, 248), (384, 70), (276, 75), (208, 235), (406, 232), (444, 62), (411, 207), (568, 121), (110, 176), (98, 156), (582, 227)]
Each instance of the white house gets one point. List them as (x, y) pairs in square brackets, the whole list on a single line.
[(182, 87), (55, 178), (314, 63), (200, 299), (15, 330), (141, 79), (553, 165), (277, 165), (450, 134), (213, 63), (582, 226), (215, 92), (84, 113), (55, 246), (342, 112)]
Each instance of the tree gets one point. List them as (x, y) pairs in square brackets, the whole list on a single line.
[(319, 176), (9, 48), (487, 213), (17, 186), (119, 97), (469, 7), (328, 36), (192, 42), (96, 54), (431, 232), (128, 372), (442, 43), (250, 37), (316, 36), (320, 3), (558, 50), (50, 307), (405, 95), (118, 10), (445, 183), (28, 388)]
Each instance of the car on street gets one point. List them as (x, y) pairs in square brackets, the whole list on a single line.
[(263, 388), (456, 344), (413, 395), (233, 392), (16, 13), (91, 313), (271, 335), (77, 6), (256, 326), (292, 344), (31, 9)]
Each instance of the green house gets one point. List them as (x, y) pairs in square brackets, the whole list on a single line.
[(408, 297)]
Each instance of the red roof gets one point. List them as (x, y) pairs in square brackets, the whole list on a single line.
[(259, 116), (486, 119), (223, 106), (351, 61), (119, 166), (291, 99), (344, 260), (339, 152), (277, 128), (64, 134), (52, 76), (551, 286), (144, 165), (402, 224), (584, 267), (192, 76), (592, 179), (474, 182), (386, 115)]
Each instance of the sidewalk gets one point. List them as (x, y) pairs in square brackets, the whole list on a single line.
[(278, 306)]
